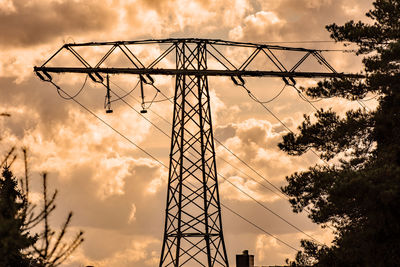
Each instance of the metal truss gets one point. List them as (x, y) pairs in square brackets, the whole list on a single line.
[(193, 233), (214, 49), (193, 230)]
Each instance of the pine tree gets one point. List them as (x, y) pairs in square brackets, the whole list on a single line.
[(18, 216), (13, 239), (360, 195)]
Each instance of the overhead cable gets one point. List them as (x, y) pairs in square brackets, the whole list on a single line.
[(265, 207), (162, 164)]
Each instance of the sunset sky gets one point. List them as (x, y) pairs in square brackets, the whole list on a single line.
[(117, 192)]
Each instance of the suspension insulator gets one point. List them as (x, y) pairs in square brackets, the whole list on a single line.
[(108, 97), (48, 76), (40, 76), (290, 82), (99, 78), (147, 79), (238, 80)]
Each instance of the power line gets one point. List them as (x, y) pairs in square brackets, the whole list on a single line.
[(275, 97), (220, 143), (304, 98), (301, 42), (251, 168), (258, 227), (226, 148), (252, 96), (161, 163), (261, 184), (265, 207), (127, 93), (107, 124), (230, 151), (76, 94), (158, 128), (369, 99)]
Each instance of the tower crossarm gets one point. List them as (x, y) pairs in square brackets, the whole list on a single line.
[(208, 72), (253, 60)]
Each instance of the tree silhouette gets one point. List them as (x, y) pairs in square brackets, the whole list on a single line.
[(47, 247), (359, 194), (13, 238)]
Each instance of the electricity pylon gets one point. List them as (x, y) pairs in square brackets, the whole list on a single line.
[(193, 233)]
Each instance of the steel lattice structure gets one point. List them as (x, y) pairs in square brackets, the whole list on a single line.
[(193, 229), (193, 233)]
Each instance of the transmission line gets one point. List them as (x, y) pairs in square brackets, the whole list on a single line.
[(158, 128), (76, 94), (127, 93), (265, 207), (160, 162), (281, 195), (107, 124), (252, 96), (259, 228), (226, 148), (220, 143)]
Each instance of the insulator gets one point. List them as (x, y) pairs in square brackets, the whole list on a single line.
[(99, 80), (234, 80), (99, 76), (108, 97), (142, 94), (241, 81), (150, 78), (47, 75), (40, 76), (92, 77), (147, 79), (285, 80)]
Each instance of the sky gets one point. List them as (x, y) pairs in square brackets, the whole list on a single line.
[(116, 191)]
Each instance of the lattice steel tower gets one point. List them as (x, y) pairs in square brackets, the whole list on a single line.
[(193, 228)]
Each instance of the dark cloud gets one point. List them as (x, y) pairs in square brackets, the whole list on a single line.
[(224, 132), (37, 22)]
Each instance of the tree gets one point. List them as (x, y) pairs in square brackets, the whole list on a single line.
[(13, 239), (50, 249), (358, 192), (19, 216)]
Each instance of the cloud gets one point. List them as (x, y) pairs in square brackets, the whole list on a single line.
[(118, 193), (288, 20), (203, 17), (258, 26), (7, 7), (35, 22), (139, 251)]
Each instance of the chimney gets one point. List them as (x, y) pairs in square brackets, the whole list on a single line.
[(244, 259)]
